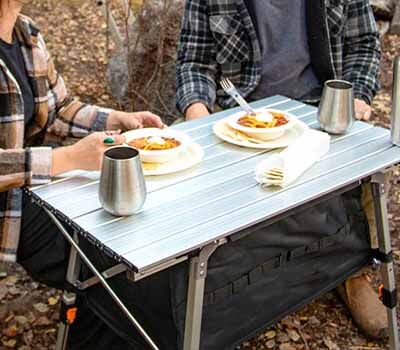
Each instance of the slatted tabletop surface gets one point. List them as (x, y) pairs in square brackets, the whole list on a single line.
[(217, 198)]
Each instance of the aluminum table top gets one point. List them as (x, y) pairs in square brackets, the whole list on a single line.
[(217, 198)]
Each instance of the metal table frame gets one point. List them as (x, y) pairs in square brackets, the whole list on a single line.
[(198, 273), (199, 259)]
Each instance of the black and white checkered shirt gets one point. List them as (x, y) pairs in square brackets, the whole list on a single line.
[(218, 39)]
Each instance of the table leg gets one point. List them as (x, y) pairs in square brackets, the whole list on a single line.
[(194, 307), (102, 280), (68, 298), (379, 191)]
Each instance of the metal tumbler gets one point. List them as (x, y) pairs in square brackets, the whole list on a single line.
[(122, 185), (336, 111), (395, 120)]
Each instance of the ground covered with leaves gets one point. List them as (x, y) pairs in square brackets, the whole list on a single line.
[(29, 311)]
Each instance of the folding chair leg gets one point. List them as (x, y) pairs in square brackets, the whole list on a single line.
[(68, 300), (389, 292)]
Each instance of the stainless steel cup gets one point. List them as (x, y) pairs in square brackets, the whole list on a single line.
[(336, 111), (122, 185), (396, 103)]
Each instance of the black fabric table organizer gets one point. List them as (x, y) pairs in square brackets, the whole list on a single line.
[(252, 282)]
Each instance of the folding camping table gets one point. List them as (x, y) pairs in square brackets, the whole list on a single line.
[(189, 214)]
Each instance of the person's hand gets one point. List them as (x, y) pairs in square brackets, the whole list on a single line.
[(196, 111), (363, 110), (130, 121), (86, 154)]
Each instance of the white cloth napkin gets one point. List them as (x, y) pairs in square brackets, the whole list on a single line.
[(299, 156)]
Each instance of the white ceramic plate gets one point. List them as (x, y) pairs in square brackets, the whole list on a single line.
[(221, 127), (192, 155)]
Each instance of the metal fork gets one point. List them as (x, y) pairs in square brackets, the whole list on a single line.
[(274, 174), (274, 177), (231, 90)]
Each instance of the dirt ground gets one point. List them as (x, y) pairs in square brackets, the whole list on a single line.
[(29, 311)]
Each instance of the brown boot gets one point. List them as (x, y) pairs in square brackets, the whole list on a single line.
[(367, 310)]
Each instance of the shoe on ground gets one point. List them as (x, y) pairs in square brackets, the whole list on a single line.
[(366, 308)]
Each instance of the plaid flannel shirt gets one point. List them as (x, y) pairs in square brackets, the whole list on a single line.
[(24, 160), (218, 39)]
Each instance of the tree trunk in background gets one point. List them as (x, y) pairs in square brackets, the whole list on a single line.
[(142, 76), (395, 28)]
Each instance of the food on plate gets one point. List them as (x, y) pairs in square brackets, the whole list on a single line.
[(240, 136), (158, 145), (263, 120), (154, 143), (150, 166)]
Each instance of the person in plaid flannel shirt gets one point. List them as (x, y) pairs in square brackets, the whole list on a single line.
[(38, 117), (286, 47)]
